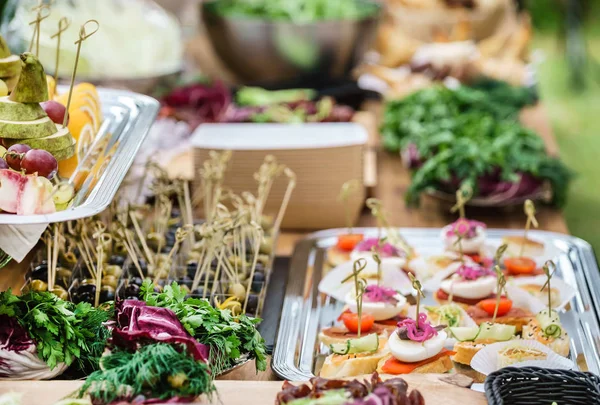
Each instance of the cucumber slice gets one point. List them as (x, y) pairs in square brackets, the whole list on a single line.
[(496, 331), (464, 333), (369, 343), (549, 323)]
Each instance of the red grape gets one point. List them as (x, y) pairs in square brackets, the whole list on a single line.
[(55, 110), (41, 162), (15, 154), (3, 164)]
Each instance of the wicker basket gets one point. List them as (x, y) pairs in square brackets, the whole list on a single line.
[(539, 386), (323, 156)]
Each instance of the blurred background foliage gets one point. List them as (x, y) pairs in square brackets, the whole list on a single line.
[(567, 33)]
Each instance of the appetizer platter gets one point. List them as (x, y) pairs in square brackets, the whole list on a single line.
[(319, 335)]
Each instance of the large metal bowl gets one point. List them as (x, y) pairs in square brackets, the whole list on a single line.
[(271, 52)]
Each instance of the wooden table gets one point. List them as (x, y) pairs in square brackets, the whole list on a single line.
[(249, 393)]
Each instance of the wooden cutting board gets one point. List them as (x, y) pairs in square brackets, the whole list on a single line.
[(250, 392)]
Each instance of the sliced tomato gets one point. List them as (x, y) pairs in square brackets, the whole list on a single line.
[(351, 321), (520, 265), (395, 366), (489, 306), (349, 242)]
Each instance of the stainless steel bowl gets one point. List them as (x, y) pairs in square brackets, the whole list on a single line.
[(270, 52)]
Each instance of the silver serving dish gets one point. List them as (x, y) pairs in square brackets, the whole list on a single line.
[(127, 118), (298, 356), (277, 51)]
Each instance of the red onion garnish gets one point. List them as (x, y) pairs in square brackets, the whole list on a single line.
[(465, 227), (385, 250), (419, 330), (470, 273), (374, 293)]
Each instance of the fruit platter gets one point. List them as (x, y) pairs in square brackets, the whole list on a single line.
[(64, 149), (485, 299)]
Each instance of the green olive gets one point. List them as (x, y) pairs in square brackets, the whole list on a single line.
[(119, 249), (69, 258), (235, 261), (237, 290), (88, 281), (155, 239), (38, 285), (60, 293), (266, 222), (263, 259), (185, 288), (63, 275), (113, 270), (109, 280), (266, 246), (194, 256)]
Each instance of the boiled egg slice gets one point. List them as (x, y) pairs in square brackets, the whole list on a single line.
[(380, 310), (471, 245), (396, 261), (412, 352), (470, 289)]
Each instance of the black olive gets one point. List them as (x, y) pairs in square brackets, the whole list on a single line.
[(40, 272), (86, 296), (258, 275), (199, 291), (88, 281), (210, 275), (185, 281), (132, 290), (191, 268), (86, 289), (252, 305), (214, 264), (107, 293), (166, 250), (116, 260), (133, 270), (259, 267), (134, 298), (137, 281)]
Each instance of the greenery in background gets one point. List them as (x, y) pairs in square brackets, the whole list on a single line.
[(573, 112), (468, 134), (299, 11)]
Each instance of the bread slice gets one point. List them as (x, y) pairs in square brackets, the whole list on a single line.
[(336, 334), (560, 345), (351, 365), (466, 350), (542, 295), (438, 366), (532, 248), (469, 372)]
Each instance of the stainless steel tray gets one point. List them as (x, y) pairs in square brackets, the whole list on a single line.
[(127, 118), (298, 355)]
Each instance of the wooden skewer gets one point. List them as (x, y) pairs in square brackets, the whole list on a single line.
[(63, 24)]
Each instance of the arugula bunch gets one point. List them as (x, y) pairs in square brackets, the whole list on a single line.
[(62, 331), (228, 336), (463, 135)]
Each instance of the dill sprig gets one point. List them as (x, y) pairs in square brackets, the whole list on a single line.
[(157, 371)]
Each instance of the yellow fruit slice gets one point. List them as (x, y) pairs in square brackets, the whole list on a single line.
[(51, 86), (82, 129)]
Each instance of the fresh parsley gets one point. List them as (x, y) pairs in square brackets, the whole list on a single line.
[(62, 331), (228, 336)]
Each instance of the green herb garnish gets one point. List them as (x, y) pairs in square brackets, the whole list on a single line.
[(229, 337), (469, 134), (156, 371), (62, 331)]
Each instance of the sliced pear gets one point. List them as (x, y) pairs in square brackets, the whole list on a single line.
[(60, 140), (10, 66), (32, 86), (63, 194), (12, 111), (27, 129), (64, 153)]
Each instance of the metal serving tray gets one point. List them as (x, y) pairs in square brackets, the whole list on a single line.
[(127, 118), (298, 355)]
